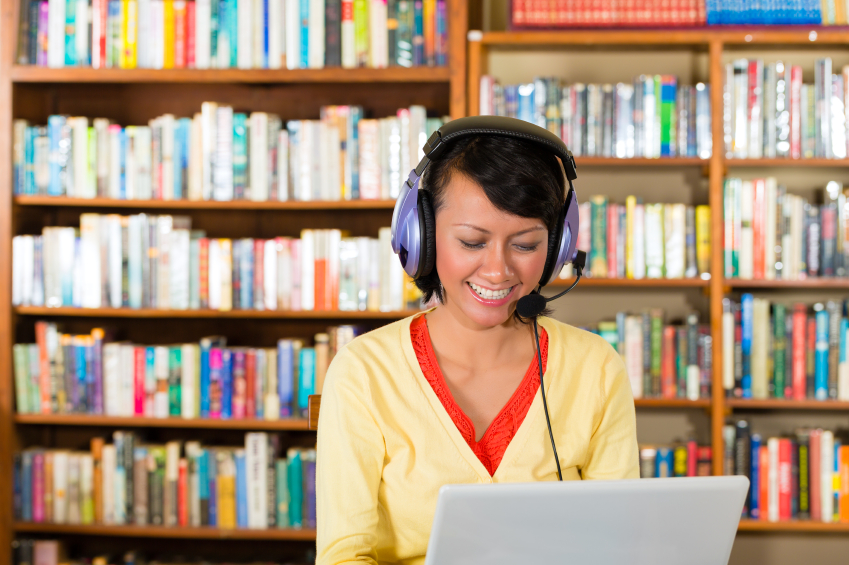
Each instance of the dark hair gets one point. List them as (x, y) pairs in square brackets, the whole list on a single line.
[(519, 177)]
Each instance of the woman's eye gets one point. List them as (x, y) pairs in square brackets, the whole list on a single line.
[(527, 248), (469, 245)]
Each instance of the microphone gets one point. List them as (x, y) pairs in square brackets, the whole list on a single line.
[(532, 305)]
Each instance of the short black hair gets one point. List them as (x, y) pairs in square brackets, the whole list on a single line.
[(519, 177)]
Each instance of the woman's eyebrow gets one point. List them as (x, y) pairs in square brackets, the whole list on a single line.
[(474, 227)]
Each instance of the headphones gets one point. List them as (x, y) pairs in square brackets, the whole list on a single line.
[(413, 222)]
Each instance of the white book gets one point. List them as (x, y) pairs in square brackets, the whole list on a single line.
[(167, 165), (333, 170), (739, 113), (746, 259), (114, 259), (292, 35), (257, 35), (269, 273), (56, 34), (130, 168), (654, 240), (772, 479), (258, 151), (727, 345), (188, 381), (111, 379), (107, 465), (160, 370), (315, 36), (675, 232), (114, 161), (179, 267), (378, 47), (256, 464), (195, 172), (126, 362), (134, 259), (86, 484), (307, 269), (826, 476), (349, 52), (90, 244), (72, 490), (276, 34), (639, 241), (226, 255), (193, 454), (209, 136), (81, 32), (172, 474), (164, 226), (634, 353), (144, 37), (283, 186), (101, 132), (755, 113), (222, 169), (60, 487), (214, 274), (788, 251), (418, 133), (284, 274), (760, 353), (97, 25), (158, 20), (843, 371), (23, 259), (771, 191), (303, 156), (244, 19), (838, 117), (393, 151), (203, 16), (144, 162), (82, 186)]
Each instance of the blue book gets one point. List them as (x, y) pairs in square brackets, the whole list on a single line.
[(150, 368), (418, 34), (212, 475), (203, 487), (81, 401), (205, 345), (70, 33), (246, 261), (754, 478), (29, 161), (285, 376), (306, 378), (240, 155), (836, 495), (241, 489), (663, 462), (265, 34), (296, 488), (305, 31), (233, 26), (226, 384), (526, 102), (176, 160), (55, 124), (214, 19), (746, 343), (352, 147), (821, 355)]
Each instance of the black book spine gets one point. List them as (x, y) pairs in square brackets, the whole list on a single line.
[(742, 458), (129, 470), (794, 478), (270, 480), (333, 34), (392, 31), (810, 357)]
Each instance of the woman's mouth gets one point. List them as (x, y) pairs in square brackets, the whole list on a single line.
[(489, 296)]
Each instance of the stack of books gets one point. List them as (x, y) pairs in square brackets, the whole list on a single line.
[(662, 360), (528, 14), (643, 241), (769, 113), (175, 484), (773, 235), (681, 460), (145, 261), (771, 350), (90, 374), (219, 154), (652, 117), (747, 12), (797, 476), (227, 34)]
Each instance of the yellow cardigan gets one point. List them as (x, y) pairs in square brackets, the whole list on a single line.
[(386, 444)]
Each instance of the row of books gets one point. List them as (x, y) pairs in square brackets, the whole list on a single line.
[(798, 476), (94, 374), (219, 154), (28, 551), (222, 34), (131, 482), (771, 350), (145, 261), (769, 112), (682, 460), (747, 12), (635, 13), (771, 234), (662, 360), (652, 117), (636, 240)]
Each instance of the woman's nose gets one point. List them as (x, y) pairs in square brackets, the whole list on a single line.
[(496, 265)]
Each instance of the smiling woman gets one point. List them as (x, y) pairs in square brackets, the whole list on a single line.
[(451, 395)]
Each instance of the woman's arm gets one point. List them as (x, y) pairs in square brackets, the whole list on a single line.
[(349, 464), (613, 451)]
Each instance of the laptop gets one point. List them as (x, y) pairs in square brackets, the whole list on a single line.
[(674, 521)]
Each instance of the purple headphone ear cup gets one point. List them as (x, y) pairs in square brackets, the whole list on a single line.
[(555, 236), (427, 223)]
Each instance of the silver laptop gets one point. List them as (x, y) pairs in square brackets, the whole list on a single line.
[(636, 521)]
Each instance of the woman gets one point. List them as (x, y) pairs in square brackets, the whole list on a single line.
[(451, 395)]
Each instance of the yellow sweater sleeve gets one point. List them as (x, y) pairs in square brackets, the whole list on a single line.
[(613, 451), (349, 463)]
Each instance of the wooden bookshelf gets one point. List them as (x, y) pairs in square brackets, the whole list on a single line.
[(839, 283), (634, 283), (818, 162), (640, 162), (785, 404), (173, 532), (241, 314), (805, 526), (671, 403), (290, 205), (92, 420)]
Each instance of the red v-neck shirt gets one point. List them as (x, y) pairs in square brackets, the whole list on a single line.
[(491, 447)]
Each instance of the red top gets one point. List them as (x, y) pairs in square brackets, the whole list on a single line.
[(491, 447)]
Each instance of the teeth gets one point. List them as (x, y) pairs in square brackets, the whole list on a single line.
[(490, 294)]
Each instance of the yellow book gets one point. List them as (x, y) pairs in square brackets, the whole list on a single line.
[(226, 490), (129, 56), (630, 206), (703, 238), (168, 33)]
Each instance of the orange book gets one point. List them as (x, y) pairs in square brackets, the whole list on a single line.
[(320, 263), (168, 34), (759, 229), (44, 366), (763, 499), (97, 457), (429, 25), (179, 34), (48, 486), (844, 483)]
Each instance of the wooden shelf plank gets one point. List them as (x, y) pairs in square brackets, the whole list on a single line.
[(782, 404), (288, 424), (34, 74), (820, 282), (65, 201), (639, 283), (584, 161), (166, 532), (248, 314), (671, 403), (837, 163), (792, 526)]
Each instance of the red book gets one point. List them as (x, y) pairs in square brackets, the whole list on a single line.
[(795, 112), (182, 493), (190, 34), (816, 483), (203, 265), (784, 478), (43, 367), (758, 229), (668, 386), (800, 360), (180, 34), (692, 458), (612, 236), (103, 14), (139, 369), (250, 383), (705, 457), (259, 274), (763, 482)]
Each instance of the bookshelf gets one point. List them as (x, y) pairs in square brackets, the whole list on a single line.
[(133, 97)]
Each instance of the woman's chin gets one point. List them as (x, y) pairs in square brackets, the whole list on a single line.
[(487, 316)]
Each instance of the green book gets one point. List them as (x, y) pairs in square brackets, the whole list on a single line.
[(681, 358), (656, 349), (361, 37), (647, 380), (34, 380), (296, 488), (175, 406), (610, 333), (21, 357), (282, 482), (779, 349), (598, 247)]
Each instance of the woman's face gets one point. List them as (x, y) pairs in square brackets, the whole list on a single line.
[(486, 258)]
